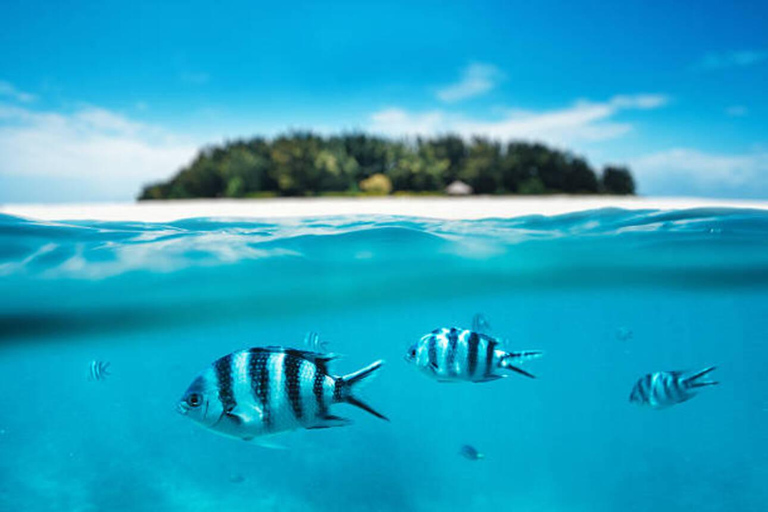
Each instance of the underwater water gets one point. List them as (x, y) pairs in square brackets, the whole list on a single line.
[(609, 295)]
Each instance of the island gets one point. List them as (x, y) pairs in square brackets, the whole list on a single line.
[(300, 164)]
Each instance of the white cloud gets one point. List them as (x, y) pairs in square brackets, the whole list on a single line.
[(7, 89), (687, 170), (476, 79), (714, 61), (584, 121), (108, 155), (397, 122), (736, 111)]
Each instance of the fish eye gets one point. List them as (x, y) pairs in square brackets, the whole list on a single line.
[(194, 400), (412, 353)]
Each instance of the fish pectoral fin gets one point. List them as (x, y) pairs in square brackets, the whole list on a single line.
[(330, 421), (489, 378), (246, 414), (433, 367)]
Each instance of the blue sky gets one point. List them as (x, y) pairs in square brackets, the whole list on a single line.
[(97, 98)]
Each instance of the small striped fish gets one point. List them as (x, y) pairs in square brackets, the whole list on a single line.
[(450, 355), (664, 389), (98, 370), (266, 390)]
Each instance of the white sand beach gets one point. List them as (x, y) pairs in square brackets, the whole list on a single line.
[(477, 207)]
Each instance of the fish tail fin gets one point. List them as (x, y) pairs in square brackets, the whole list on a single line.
[(694, 382), (346, 385), (524, 355), (514, 357)]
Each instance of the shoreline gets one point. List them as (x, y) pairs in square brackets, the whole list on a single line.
[(447, 208)]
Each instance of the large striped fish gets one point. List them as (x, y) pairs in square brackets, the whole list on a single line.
[(454, 354), (267, 390), (664, 389)]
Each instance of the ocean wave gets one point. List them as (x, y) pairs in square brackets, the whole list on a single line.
[(66, 275)]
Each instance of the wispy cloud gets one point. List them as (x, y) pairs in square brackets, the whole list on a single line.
[(737, 111), (692, 171), (476, 79), (8, 90), (104, 150), (584, 121), (713, 61)]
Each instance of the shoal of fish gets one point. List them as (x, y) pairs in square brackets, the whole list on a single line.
[(256, 393)]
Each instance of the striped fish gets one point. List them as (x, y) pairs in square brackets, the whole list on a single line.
[(450, 355), (266, 390), (664, 389), (98, 370)]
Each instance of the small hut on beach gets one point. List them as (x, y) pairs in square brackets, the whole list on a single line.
[(458, 188)]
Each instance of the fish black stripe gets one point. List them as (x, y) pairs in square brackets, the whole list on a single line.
[(670, 387), (433, 351), (647, 387), (317, 389), (489, 348), (338, 390), (641, 390), (291, 367), (453, 339), (472, 356), (258, 373), (223, 369), (673, 388)]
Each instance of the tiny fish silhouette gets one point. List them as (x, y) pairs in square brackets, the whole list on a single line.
[(624, 334), (236, 478), (664, 389), (98, 370), (471, 453)]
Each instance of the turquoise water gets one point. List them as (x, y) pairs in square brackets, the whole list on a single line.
[(609, 295)]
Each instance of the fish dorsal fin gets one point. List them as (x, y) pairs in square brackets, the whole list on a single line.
[(481, 324), (320, 360), (246, 414), (313, 343), (314, 357)]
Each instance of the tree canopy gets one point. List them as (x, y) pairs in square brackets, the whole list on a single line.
[(306, 164)]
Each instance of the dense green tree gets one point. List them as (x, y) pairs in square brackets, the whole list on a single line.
[(579, 178), (617, 180), (453, 149), (481, 168), (371, 153), (303, 163)]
